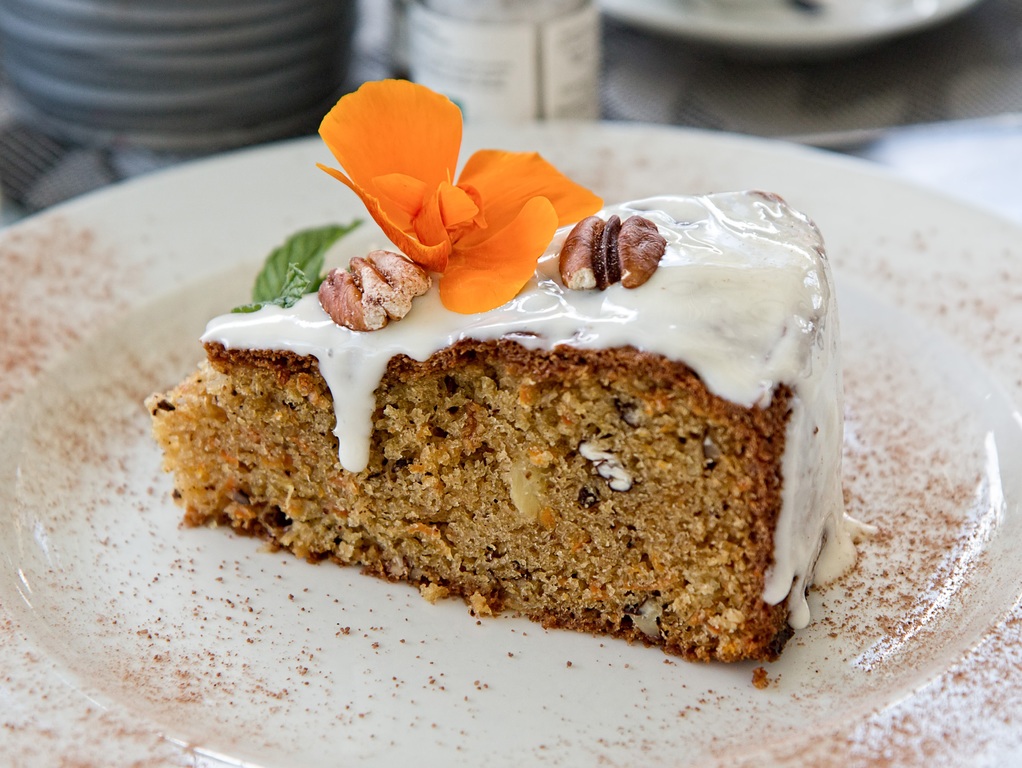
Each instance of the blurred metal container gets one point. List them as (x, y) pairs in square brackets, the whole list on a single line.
[(188, 75), (509, 59)]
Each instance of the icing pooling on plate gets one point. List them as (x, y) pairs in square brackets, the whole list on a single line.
[(742, 296)]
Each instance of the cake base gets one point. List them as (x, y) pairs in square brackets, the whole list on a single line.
[(599, 490)]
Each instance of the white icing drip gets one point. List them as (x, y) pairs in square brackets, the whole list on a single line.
[(742, 296)]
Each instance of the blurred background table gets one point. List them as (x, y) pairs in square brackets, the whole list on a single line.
[(942, 106)]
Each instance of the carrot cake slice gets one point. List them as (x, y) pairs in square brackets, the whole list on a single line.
[(638, 433)]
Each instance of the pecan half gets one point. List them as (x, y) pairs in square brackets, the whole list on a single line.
[(640, 246), (377, 289), (597, 253), (576, 258)]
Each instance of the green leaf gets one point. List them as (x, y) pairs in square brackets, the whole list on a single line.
[(296, 284), (304, 249), (294, 268)]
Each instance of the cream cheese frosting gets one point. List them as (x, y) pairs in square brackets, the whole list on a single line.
[(742, 296)]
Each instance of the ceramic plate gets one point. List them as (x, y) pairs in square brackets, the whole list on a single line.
[(127, 639), (798, 28)]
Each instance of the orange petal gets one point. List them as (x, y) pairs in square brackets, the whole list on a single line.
[(457, 205), (403, 190), (505, 180), (493, 271), (432, 257), (447, 208), (393, 126), (429, 224)]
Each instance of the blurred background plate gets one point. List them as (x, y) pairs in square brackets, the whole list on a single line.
[(182, 76), (102, 13), (157, 38), (785, 28), (180, 133), (148, 74), (224, 97)]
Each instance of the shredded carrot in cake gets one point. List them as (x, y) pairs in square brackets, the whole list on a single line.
[(398, 144)]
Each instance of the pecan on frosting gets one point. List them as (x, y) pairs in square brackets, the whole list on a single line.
[(598, 253), (373, 290)]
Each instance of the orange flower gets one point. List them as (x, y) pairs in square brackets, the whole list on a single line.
[(398, 144)]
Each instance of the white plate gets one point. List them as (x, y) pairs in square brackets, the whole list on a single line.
[(125, 637), (780, 27)]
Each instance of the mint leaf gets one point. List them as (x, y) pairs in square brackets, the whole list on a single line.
[(294, 268), (296, 284)]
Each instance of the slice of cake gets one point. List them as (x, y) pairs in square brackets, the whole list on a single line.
[(657, 461), (626, 423)]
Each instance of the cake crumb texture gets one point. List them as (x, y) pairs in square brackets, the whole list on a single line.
[(599, 490)]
